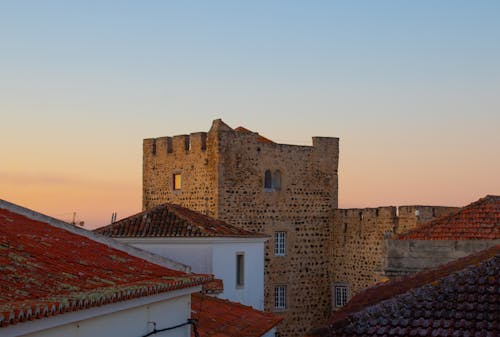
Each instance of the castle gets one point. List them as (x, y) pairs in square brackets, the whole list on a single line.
[(318, 255)]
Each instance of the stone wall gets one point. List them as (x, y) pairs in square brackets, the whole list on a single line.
[(357, 236), (191, 155), (301, 207), (402, 257), (225, 179), (223, 175)]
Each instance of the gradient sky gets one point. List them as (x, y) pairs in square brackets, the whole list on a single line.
[(412, 88)]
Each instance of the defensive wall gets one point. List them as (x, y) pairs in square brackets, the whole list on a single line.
[(249, 181), (357, 237), (402, 257), (192, 155), (224, 175)]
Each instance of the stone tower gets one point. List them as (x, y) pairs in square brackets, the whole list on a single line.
[(286, 191)]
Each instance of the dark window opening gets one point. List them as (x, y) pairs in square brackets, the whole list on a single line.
[(268, 180), (240, 270)]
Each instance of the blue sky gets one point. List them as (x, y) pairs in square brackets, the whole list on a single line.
[(412, 88)]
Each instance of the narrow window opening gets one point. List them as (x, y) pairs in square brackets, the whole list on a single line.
[(268, 180), (240, 270), (340, 294), (177, 181), (280, 243), (280, 297), (277, 180)]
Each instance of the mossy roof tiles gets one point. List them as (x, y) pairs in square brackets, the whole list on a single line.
[(461, 298), (46, 270), (169, 220), (478, 221)]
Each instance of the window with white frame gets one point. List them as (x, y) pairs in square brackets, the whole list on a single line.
[(280, 297), (280, 243), (340, 294)]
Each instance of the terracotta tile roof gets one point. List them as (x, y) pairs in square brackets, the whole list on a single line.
[(46, 270), (222, 318), (261, 139), (477, 221), (215, 286), (169, 220), (461, 298)]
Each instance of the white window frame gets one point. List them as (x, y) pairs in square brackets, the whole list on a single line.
[(280, 243), (340, 294), (280, 297)]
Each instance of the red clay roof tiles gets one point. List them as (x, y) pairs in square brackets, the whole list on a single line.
[(477, 221), (169, 220), (461, 298), (261, 139), (46, 270), (222, 318)]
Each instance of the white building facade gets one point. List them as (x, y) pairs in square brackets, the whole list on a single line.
[(133, 318), (237, 261)]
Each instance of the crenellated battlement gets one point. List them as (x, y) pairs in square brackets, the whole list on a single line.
[(250, 181), (192, 143), (366, 213), (357, 235)]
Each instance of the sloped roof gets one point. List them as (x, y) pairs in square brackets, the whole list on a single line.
[(46, 270), (460, 298), (478, 221), (223, 318), (169, 220), (261, 139)]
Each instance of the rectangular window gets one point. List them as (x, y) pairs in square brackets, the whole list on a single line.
[(280, 297), (176, 181), (340, 294), (240, 270), (280, 243)]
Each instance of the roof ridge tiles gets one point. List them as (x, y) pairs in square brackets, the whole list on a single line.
[(409, 284), (464, 224), (172, 220), (53, 268)]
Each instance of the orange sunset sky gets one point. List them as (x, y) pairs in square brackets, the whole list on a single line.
[(412, 89)]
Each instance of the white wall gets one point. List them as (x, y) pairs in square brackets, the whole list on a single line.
[(270, 333), (216, 256), (197, 256), (224, 264), (130, 322)]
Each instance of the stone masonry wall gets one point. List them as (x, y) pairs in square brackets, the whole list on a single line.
[(402, 257), (223, 176), (357, 236), (301, 207), (225, 179), (192, 156)]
